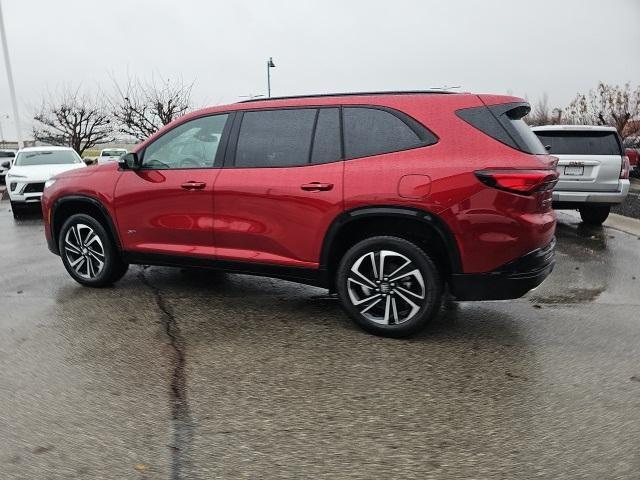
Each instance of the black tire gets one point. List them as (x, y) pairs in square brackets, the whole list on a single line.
[(595, 214), (403, 250), (113, 268), (16, 209)]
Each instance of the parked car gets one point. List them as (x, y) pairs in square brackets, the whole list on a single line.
[(5, 156), (385, 199), (111, 155), (633, 154), (594, 172), (32, 168)]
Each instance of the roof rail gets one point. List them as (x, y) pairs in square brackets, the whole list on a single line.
[(348, 94)]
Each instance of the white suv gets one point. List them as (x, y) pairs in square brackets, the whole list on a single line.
[(111, 155), (32, 168), (594, 172)]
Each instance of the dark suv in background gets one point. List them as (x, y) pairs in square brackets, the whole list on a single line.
[(387, 199)]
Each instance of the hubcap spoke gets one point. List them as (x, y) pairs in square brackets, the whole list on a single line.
[(94, 252), (371, 305), (77, 263), (72, 248), (395, 272), (93, 238), (416, 295), (356, 269), (387, 308), (395, 310), (414, 306)]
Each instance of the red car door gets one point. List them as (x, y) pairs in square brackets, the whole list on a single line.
[(282, 189), (166, 206)]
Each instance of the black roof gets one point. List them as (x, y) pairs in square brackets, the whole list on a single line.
[(349, 94)]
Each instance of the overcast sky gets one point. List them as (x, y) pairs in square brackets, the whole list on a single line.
[(499, 46)]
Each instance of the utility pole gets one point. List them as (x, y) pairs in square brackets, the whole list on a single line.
[(270, 65), (12, 89), (1, 132)]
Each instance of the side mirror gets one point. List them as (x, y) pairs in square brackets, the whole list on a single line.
[(130, 161), (6, 164)]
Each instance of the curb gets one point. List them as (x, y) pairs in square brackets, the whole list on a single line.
[(624, 224), (616, 222)]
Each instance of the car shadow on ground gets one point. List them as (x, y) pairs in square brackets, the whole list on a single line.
[(216, 304)]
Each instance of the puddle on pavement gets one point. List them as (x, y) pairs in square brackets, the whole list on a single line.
[(571, 295)]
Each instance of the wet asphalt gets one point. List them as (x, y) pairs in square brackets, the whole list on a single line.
[(177, 374)]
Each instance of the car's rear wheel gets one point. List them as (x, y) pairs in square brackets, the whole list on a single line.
[(389, 286), (89, 253), (594, 214)]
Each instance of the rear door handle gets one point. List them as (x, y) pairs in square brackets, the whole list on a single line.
[(316, 187), (193, 185)]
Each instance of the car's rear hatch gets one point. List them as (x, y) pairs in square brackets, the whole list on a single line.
[(588, 160)]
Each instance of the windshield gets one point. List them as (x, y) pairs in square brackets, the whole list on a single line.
[(47, 157), (113, 153), (580, 143), (7, 154)]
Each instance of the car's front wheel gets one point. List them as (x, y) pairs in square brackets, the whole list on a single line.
[(389, 286), (88, 252), (595, 214), (15, 209)]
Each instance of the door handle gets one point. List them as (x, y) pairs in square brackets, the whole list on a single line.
[(193, 185), (316, 187)]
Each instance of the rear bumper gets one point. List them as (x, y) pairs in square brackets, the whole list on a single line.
[(512, 280), (567, 197)]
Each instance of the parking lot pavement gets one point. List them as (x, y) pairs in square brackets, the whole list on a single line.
[(196, 374)]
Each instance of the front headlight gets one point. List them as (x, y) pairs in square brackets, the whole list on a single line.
[(49, 182)]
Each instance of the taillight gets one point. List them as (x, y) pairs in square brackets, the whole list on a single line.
[(624, 170), (522, 182)]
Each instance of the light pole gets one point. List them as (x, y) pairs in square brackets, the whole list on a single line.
[(12, 90), (3, 116), (270, 65)]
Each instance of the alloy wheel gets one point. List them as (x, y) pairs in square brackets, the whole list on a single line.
[(84, 251), (386, 287)]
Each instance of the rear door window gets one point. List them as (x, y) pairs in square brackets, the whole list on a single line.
[(275, 138), (580, 142), (373, 131)]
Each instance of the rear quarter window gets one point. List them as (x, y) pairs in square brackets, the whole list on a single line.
[(504, 123), (580, 143), (373, 131)]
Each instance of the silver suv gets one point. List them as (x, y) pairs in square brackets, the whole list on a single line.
[(594, 173)]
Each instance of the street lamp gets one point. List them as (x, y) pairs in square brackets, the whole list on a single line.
[(270, 65)]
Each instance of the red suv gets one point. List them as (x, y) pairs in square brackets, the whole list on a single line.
[(387, 199)]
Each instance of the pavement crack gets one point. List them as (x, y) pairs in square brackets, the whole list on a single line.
[(180, 413)]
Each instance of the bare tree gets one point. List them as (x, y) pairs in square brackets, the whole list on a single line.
[(613, 105), (540, 114), (142, 108), (73, 118)]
